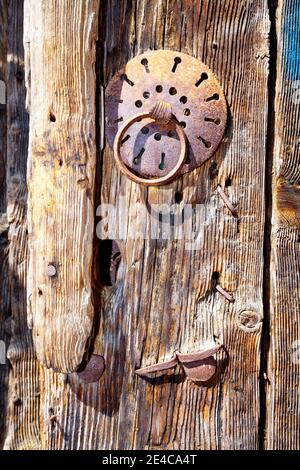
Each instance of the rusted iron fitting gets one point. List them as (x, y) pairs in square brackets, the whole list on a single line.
[(93, 370), (166, 114), (199, 366)]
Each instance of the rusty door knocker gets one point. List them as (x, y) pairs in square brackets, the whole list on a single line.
[(165, 115)]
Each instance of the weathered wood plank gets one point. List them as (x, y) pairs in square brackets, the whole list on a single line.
[(62, 155), (283, 402), (4, 298), (23, 399), (164, 298)]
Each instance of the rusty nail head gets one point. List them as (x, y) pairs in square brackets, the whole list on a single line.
[(93, 369), (51, 270)]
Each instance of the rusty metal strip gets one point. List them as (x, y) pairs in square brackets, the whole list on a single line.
[(198, 355), (202, 362), (160, 366)]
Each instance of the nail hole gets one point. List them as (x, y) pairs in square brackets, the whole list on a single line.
[(137, 159), (52, 117), (203, 77), (214, 46), (125, 139), (162, 165), (159, 88), (213, 170), (214, 97), (145, 130), (144, 62), (228, 182), (20, 74), (178, 197), (146, 94), (182, 124), (138, 104), (171, 133), (206, 143), (172, 91), (109, 261), (177, 61), (112, 98), (183, 99), (216, 121), (60, 162), (124, 78), (157, 136), (40, 292), (187, 112), (215, 275)]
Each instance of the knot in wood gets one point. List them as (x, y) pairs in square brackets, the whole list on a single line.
[(161, 112)]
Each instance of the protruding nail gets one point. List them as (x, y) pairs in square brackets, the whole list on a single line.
[(225, 294)]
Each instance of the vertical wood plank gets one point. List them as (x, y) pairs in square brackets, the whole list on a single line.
[(4, 298), (62, 159), (23, 399), (283, 402), (164, 298)]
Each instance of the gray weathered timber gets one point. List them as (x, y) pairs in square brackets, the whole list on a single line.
[(283, 400), (62, 158), (3, 216), (164, 298), (23, 389)]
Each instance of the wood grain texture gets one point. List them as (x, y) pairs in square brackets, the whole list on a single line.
[(23, 396), (283, 403), (62, 159), (3, 216), (164, 298)]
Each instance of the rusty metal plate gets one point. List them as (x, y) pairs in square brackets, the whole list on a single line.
[(93, 370), (197, 102)]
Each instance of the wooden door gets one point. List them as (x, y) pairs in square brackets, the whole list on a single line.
[(61, 301)]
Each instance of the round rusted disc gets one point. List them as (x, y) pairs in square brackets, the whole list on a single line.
[(197, 100)]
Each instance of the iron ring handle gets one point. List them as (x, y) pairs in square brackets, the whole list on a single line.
[(138, 179)]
